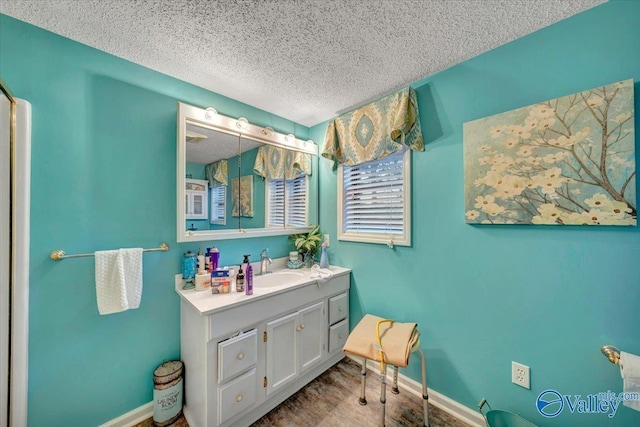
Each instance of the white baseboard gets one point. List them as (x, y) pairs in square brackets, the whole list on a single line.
[(438, 400), (133, 417)]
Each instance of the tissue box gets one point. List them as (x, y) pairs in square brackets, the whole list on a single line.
[(219, 276), (220, 282)]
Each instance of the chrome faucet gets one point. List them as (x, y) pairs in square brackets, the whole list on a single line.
[(264, 258)]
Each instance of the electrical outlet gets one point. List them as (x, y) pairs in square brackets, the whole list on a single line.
[(326, 239), (520, 375)]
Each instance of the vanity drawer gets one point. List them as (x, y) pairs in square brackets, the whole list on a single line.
[(338, 334), (237, 354), (338, 307), (237, 396)]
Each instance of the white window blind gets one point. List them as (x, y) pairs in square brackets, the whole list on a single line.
[(218, 205), (375, 205), (287, 202), (296, 202), (275, 203)]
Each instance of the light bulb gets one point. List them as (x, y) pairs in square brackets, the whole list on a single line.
[(242, 123), (210, 112)]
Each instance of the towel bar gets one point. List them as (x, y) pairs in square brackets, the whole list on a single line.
[(59, 254), (612, 352)]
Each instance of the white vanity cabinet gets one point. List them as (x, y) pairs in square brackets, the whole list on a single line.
[(196, 197), (244, 355)]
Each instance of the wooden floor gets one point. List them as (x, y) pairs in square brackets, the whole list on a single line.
[(331, 400)]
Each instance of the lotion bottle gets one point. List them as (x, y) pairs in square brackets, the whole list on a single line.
[(240, 280)]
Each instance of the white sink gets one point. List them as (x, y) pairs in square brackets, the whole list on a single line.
[(277, 279)]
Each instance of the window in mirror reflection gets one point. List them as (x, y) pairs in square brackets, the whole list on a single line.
[(218, 197), (296, 201), (287, 202), (287, 182)]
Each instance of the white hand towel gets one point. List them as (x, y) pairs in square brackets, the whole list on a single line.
[(630, 371), (118, 279), (321, 275)]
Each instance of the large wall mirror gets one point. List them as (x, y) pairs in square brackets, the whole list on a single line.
[(235, 179)]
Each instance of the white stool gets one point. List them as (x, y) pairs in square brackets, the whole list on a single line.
[(389, 343)]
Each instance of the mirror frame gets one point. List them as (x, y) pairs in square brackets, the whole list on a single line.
[(230, 125)]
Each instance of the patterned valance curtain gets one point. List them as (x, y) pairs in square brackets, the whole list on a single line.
[(278, 163), (217, 173), (375, 130)]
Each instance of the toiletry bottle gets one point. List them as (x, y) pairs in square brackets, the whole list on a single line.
[(245, 262), (249, 280), (200, 261), (324, 258), (240, 280), (215, 258), (207, 260)]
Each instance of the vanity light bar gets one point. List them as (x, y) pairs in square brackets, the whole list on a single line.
[(211, 117)]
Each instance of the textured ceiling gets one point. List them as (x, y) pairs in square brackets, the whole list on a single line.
[(305, 60), (211, 145)]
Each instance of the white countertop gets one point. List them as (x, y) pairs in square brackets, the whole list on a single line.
[(282, 279)]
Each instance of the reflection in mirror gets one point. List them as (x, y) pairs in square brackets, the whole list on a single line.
[(211, 166), (223, 189), (285, 183)]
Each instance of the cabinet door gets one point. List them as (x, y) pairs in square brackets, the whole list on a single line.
[(282, 351), (196, 195), (198, 204), (311, 327)]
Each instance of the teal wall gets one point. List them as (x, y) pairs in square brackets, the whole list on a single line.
[(103, 177), (547, 297)]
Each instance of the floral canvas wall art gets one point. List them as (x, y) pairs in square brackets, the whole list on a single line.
[(570, 160)]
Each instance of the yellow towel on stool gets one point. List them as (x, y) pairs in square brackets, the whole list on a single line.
[(397, 340)]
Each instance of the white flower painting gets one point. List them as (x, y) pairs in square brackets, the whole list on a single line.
[(570, 161)]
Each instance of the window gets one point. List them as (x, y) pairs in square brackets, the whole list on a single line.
[(287, 202), (374, 200), (218, 205)]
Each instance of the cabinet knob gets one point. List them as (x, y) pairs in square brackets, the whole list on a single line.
[(341, 336), (339, 308), (239, 398), (298, 329), (240, 356), (302, 326)]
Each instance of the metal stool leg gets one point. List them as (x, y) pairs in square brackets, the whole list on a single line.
[(383, 393), (363, 383), (394, 389), (425, 396)]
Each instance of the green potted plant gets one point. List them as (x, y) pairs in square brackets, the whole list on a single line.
[(307, 244)]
